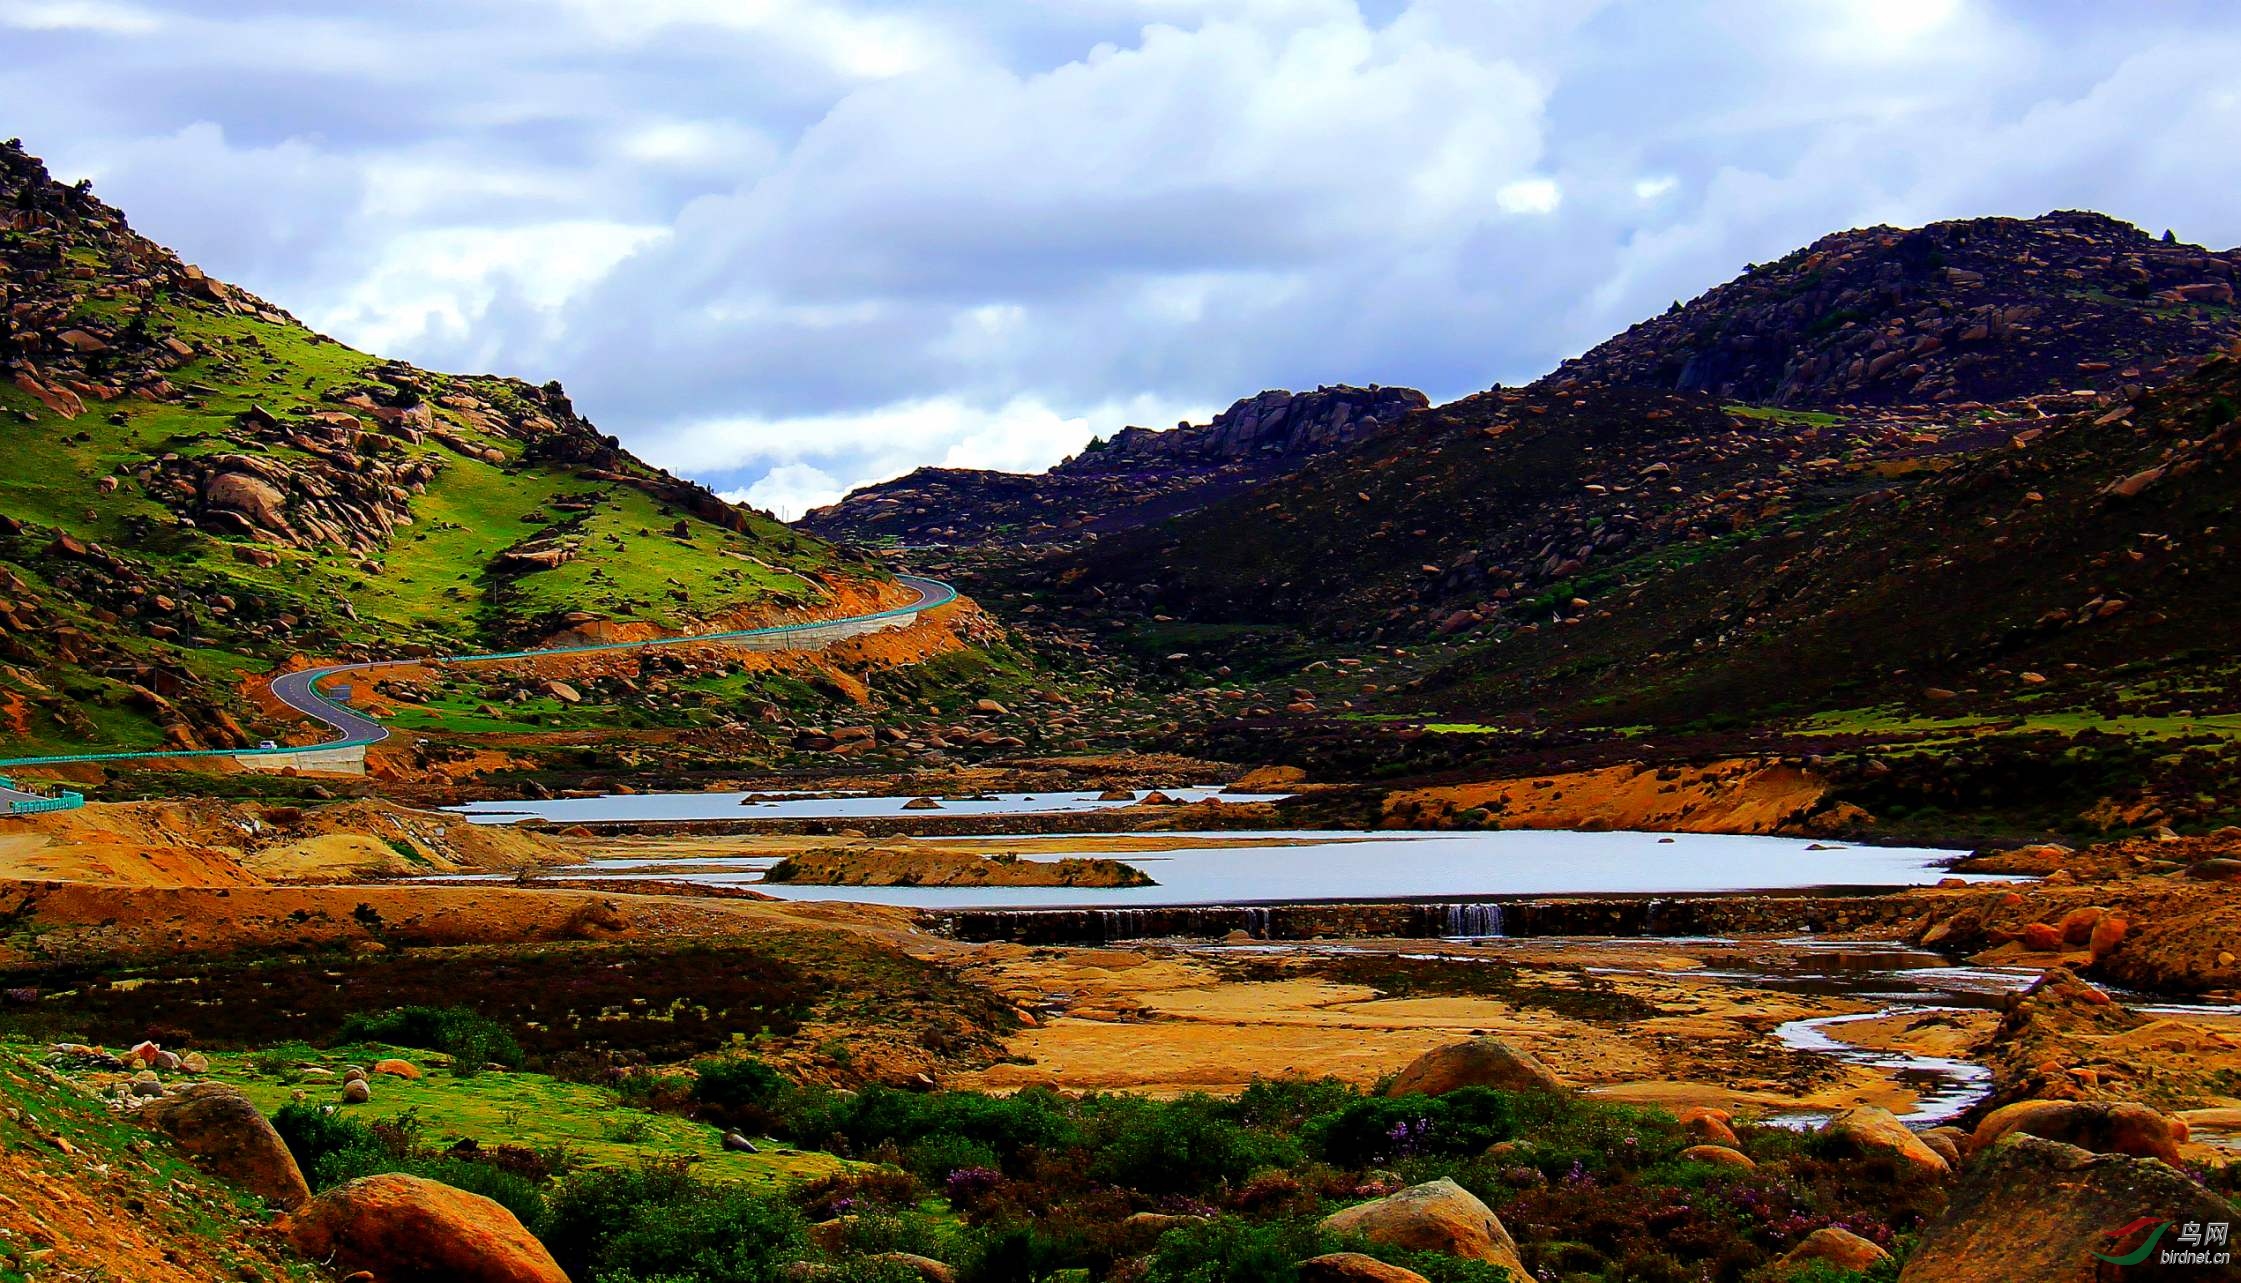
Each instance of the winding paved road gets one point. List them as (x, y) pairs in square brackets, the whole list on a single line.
[(300, 690)]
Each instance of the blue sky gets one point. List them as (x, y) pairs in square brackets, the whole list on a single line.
[(790, 246)]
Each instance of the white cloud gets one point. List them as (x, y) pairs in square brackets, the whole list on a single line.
[(1529, 196), (789, 245), (79, 15)]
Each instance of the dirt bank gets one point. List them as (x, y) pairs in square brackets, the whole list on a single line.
[(1741, 795), (916, 864)]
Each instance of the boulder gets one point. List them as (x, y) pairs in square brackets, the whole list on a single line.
[(356, 1092), (397, 1068), (1708, 1126), (2094, 1126), (1837, 1248), (2077, 925), (927, 1268), (2037, 1209), (227, 1137), (2108, 932), (1440, 1216), (1353, 1267), (1868, 1129), (253, 497), (1476, 1062), (405, 1229), (1719, 1155), (2039, 937)]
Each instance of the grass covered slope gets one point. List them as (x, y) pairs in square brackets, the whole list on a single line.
[(199, 487)]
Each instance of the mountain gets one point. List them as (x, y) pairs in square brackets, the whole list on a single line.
[(1519, 506), (1975, 310), (1139, 476), (2083, 563), (201, 487)]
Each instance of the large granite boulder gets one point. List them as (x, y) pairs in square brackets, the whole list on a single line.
[(2052, 1213), (225, 1135), (405, 1229), (1440, 1216), (1476, 1062)]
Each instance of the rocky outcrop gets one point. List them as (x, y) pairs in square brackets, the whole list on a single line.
[(404, 1229), (223, 1132), (1273, 424), (1833, 1248), (1982, 309), (1353, 1267), (2098, 1127), (2041, 1210), (1476, 1062), (1140, 475), (1868, 1129), (1440, 1216)]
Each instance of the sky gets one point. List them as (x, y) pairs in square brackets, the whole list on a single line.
[(789, 247)]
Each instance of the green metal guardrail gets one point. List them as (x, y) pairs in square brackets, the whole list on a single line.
[(940, 594), (62, 800)]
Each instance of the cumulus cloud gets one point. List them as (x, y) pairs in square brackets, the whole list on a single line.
[(790, 246)]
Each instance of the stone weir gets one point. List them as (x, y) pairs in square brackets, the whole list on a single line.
[(1703, 915)]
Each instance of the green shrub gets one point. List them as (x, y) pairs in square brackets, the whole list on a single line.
[(471, 1039), (935, 1157), (1180, 1146), (317, 1133), (740, 1092), (658, 1221)]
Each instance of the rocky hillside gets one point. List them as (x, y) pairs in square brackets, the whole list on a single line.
[(1977, 310), (2083, 565), (200, 487), (1138, 476), (1498, 510)]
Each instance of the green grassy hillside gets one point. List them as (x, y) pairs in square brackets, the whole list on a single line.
[(199, 486)]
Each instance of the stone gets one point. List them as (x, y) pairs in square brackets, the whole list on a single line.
[(2108, 932), (1719, 1156), (253, 497), (922, 804), (1869, 1128), (2039, 937), (1837, 1248), (2094, 1126), (739, 1144), (226, 1135), (1353, 1267), (1476, 1062), (1440, 1216), (406, 1229), (1708, 1126), (2038, 1209), (356, 1092), (397, 1068), (927, 1268), (2077, 925)]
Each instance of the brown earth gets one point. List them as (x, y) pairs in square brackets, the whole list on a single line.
[(917, 864), (1739, 795)]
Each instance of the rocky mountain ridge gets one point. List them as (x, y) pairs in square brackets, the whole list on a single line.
[(1139, 476), (1968, 311)]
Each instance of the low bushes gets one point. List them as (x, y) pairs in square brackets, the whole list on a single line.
[(470, 1039)]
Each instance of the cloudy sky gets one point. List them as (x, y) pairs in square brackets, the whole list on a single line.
[(791, 246)]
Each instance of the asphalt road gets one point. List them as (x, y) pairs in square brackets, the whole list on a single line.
[(300, 690)]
